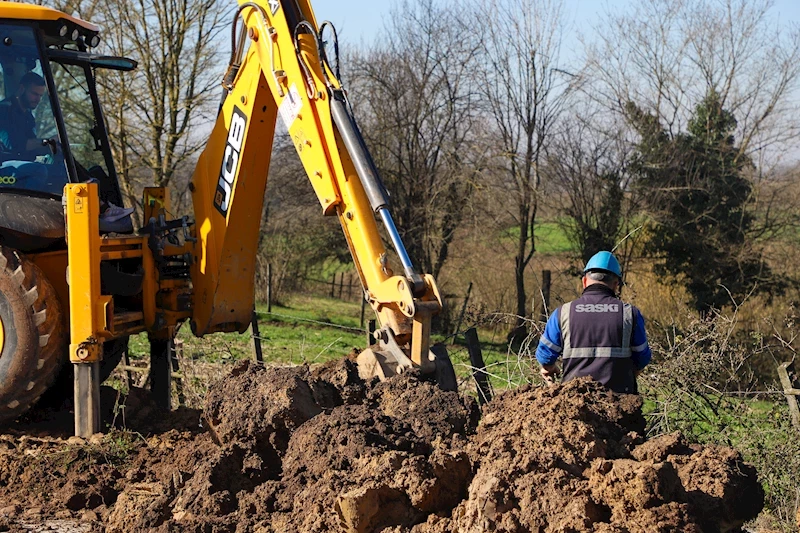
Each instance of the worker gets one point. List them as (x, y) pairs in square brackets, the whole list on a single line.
[(596, 335), (17, 112), (18, 141)]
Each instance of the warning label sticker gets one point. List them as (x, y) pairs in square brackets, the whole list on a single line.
[(290, 107)]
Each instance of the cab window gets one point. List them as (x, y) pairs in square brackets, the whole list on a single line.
[(30, 155), (81, 125)]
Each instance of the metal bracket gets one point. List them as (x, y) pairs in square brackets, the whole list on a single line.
[(278, 75), (384, 359)]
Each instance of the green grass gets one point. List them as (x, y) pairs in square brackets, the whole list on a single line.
[(305, 330), (549, 237)]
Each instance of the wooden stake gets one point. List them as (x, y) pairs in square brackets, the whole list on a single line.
[(545, 295), (790, 392), (463, 309), (256, 337), (479, 367), (269, 287)]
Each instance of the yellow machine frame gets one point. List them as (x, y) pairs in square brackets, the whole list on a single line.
[(283, 74)]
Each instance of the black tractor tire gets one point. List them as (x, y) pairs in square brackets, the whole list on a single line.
[(34, 334)]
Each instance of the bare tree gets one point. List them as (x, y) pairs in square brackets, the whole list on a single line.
[(525, 91), (667, 55), (157, 110), (656, 63), (415, 97), (589, 183)]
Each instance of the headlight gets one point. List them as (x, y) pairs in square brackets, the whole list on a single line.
[(75, 34), (63, 30), (94, 40)]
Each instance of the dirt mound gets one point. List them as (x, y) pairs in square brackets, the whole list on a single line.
[(357, 469), (422, 404), (318, 449), (564, 458)]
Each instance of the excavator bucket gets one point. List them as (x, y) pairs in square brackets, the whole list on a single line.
[(383, 362)]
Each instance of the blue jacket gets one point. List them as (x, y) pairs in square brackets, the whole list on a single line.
[(17, 126), (605, 339)]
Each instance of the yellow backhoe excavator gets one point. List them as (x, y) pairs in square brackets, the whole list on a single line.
[(71, 289)]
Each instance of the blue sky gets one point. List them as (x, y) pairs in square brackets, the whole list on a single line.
[(362, 20)]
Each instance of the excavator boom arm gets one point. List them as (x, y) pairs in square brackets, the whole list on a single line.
[(278, 72)]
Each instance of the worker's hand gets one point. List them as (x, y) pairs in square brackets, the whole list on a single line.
[(549, 373)]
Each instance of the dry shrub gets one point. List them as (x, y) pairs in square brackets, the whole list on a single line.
[(704, 383)]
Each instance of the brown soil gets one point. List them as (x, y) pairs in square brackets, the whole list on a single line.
[(318, 449)]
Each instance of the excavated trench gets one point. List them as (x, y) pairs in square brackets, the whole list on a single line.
[(318, 449)]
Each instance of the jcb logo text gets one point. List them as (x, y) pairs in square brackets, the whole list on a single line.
[(230, 161)]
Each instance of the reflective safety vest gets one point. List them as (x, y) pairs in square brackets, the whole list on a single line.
[(596, 332)]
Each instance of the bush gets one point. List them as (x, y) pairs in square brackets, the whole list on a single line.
[(702, 383)]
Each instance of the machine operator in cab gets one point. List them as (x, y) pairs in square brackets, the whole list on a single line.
[(597, 335), (19, 145)]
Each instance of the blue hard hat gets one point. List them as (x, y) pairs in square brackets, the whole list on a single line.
[(604, 262)]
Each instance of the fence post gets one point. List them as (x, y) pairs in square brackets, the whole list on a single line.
[(256, 336), (333, 284), (349, 286), (790, 392), (478, 366), (363, 307), (545, 294), (269, 287), (341, 284), (463, 309)]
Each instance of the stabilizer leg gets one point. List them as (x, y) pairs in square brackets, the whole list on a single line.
[(87, 398), (161, 352)]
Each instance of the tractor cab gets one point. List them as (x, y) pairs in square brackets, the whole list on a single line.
[(52, 130)]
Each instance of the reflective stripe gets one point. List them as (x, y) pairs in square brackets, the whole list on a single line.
[(568, 352), (555, 347), (563, 320), (598, 352), (639, 348), (627, 326)]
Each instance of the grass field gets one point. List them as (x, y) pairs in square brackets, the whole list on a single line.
[(550, 237)]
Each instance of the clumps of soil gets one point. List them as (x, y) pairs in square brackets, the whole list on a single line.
[(355, 457), (431, 414), (571, 458), (357, 469), (319, 449)]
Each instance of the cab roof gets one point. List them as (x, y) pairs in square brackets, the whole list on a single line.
[(18, 11)]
